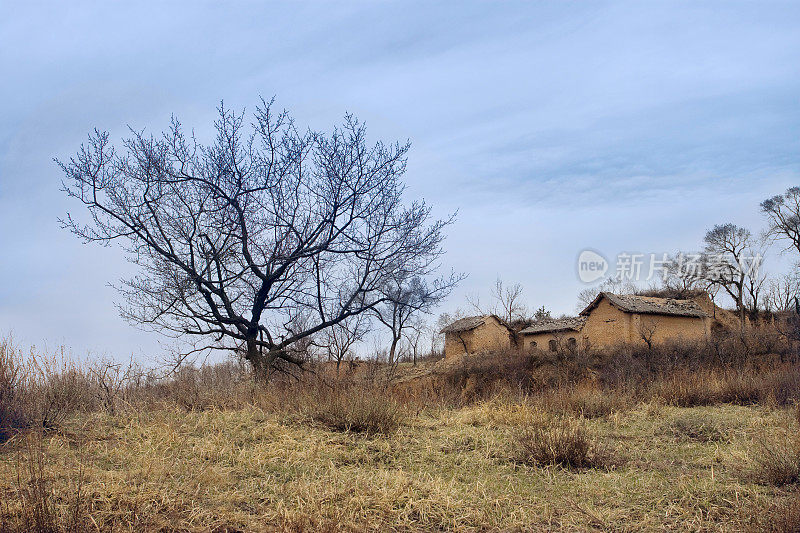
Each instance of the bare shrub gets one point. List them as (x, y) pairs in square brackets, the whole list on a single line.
[(38, 390), (55, 388), (11, 417), (356, 409), (560, 441), (111, 380), (586, 401), (38, 506), (776, 459)]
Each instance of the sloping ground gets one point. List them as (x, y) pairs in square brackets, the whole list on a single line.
[(248, 470)]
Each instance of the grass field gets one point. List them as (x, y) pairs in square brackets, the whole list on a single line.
[(443, 468)]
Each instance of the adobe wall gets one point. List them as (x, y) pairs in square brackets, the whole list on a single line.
[(487, 337), (542, 340), (606, 326), (669, 328)]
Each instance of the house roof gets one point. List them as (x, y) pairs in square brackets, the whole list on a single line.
[(468, 323), (558, 324), (648, 305)]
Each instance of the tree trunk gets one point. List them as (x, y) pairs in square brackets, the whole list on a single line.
[(393, 349)]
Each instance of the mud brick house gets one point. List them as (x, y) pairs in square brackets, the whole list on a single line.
[(624, 319), (610, 319), (476, 334)]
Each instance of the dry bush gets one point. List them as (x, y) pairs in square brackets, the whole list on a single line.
[(39, 390), (776, 458), (354, 408), (226, 385), (588, 401), (34, 504), (561, 441), (11, 417)]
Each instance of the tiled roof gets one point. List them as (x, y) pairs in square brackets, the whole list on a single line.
[(465, 324), (559, 324), (648, 305)]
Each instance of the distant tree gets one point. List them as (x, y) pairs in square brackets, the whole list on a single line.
[(414, 334), (338, 340), (685, 273), (444, 319), (542, 314), (406, 298), (260, 240), (783, 215), (614, 285), (783, 292), (506, 302), (727, 246)]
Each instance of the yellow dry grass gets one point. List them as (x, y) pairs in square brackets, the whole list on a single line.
[(444, 469)]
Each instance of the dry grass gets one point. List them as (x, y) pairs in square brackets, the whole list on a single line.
[(532, 446), (443, 469), (776, 457), (558, 441)]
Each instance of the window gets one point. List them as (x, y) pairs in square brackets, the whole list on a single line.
[(553, 345), (571, 342), (532, 345)]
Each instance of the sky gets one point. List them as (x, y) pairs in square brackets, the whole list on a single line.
[(550, 127)]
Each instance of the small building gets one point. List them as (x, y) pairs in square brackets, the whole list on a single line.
[(476, 334), (554, 334), (623, 319)]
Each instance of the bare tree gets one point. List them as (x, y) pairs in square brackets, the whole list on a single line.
[(338, 340), (783, 213), (506, 302), (258, 240), (405, 298), (444, 319), (413, 335), (783, 292), (727, 246), (647, 329), (685, 273), (614, 285)]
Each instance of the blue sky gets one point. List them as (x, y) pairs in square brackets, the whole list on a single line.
[(549, 126)]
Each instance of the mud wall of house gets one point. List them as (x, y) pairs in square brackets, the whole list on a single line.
[(491, 335), (607, 325), (542, 340), (661, 328)]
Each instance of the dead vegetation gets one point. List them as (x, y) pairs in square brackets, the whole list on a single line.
[(502, 441)]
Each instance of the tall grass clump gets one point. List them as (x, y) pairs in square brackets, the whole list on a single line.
[(35, 504), (560, 441), (11, 377), (39, 390), (356, 409), (776, 458)]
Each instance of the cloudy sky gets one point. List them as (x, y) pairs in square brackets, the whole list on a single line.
[(550, 126)]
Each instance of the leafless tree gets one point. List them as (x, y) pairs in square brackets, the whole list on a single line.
[(444, 319), (338, 340), (782, 292), (612, 284), (414, 334), (406, 298), (647, 330), (506, 302), (685, 273), (257, 241), (727, 246), (783, 213)]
